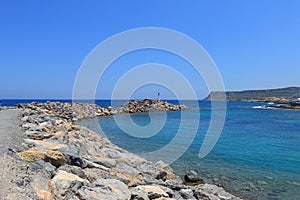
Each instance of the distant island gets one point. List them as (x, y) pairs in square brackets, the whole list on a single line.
[(281, 95)]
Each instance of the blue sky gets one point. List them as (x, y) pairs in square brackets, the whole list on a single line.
[(255, 44)]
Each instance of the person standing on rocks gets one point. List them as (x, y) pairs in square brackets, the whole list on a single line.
[(0, 104)]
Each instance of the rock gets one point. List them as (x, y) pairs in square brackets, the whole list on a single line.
[(44, 194), (45, 145), (192, 177), (42, 165), (43, 124), (178, 196), (269, 178), (90, 164), (56, 158), (74, 119), (187, 194), (65, 182), (153, 192), (166, 167), (162, 175), (105, 189), (26, 119), (38, 135), (175, 184), (167, 190), (73, 170), (107, 162), (31, 127), (121, 166), (208, 191), (32, 155), (74, 159), (139, 194), (93, 174)]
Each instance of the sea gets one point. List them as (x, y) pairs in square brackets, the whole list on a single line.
[(257, 155)]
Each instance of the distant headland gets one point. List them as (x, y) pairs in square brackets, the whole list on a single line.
[(289, 96)]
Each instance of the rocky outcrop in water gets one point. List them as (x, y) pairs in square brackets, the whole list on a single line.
[(67, 161), (149, 105)]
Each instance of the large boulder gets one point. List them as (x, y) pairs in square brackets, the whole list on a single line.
[(153, 191), (56, 158), (208, 191), (105, 189), (192, 178), (65, 183)]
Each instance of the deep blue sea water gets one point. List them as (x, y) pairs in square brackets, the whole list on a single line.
[(257, 155)]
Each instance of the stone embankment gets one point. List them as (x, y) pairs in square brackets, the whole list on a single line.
[(67, 161), (76, 111)]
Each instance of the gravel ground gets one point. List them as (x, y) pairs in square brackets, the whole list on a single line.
[(10, 167)]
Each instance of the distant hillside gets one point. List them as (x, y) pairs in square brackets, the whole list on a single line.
[(260, 95)]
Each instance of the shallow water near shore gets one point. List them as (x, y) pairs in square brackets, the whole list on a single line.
[(256, 157)]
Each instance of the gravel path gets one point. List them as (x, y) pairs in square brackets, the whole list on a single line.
[(10, 131), (10, 167)]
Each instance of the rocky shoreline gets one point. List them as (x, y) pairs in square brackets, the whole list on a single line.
[(61, 160)]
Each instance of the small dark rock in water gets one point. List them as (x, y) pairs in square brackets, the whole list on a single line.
[(269, 177), (279, 190), (193, 177)]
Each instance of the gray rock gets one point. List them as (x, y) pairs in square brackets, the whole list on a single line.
[(65, 183), (187, 194), (192, 177), (124, 167), (113, 154), (74, 159), (178, 196), (31, 127), (42, 165), (105, 189), (139, 194), (162, 175), (208, 191), (149, 179), (37, 135), (175, 184), (110, 163), (167, 190), (93, 174), (153, 191), (73, 170), (89, 164), (25, 119)]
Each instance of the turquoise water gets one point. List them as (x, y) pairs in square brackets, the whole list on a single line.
[(256, 157)]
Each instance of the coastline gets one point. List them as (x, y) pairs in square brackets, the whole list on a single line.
[(72, 161)]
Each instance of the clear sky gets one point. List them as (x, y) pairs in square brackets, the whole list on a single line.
[(255, 44)]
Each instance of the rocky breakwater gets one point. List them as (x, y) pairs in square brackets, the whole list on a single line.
[(149, 105), (67, 161)]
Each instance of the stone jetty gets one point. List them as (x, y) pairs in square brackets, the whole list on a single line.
[(62, 160)]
